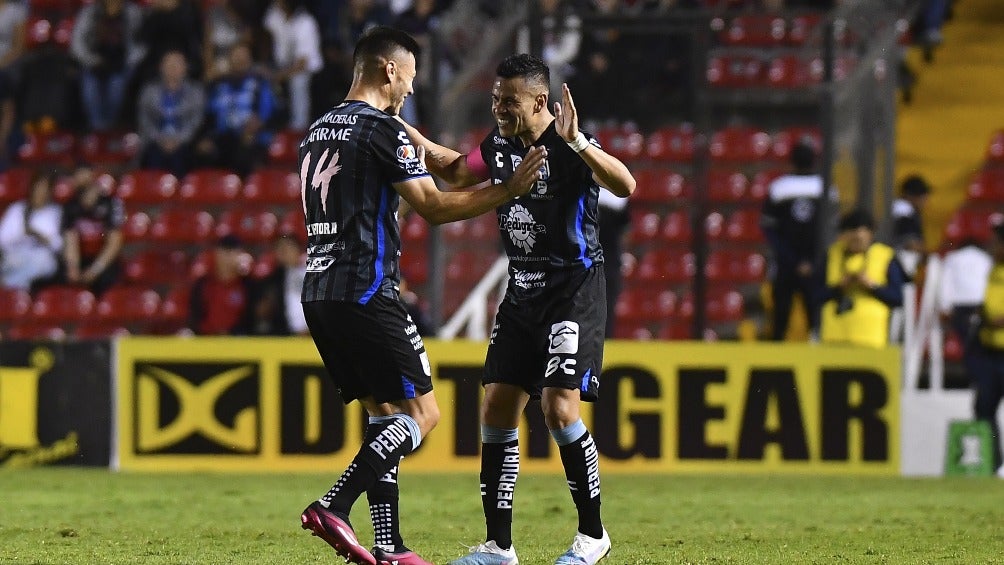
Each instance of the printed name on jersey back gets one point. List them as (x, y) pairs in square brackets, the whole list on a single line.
[(329, 134), (332, 118)]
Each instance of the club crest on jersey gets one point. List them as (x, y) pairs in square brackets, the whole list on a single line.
[(522, 227), (539, 191)]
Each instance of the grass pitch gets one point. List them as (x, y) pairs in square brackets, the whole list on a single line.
[(87, 516)]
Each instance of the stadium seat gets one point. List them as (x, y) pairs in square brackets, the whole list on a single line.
[(676, 228), (15, 303), (786, 139), (56, 148), (263, 265), (675, 144), (291, 223), (995, 149), (173, 311), (724, 305), (973, 223), (644, 304), (38, 31), (14, 184), (127, 304), (802, 27), (136, 227), (251, 225), (414, 230), (987, 186), (273, 186), (147, 186), (644, 227), (740, 144), (660, 186), (62, 35), (100, 330), (674, 330), (284, 148), (181, 225), (735, 266), (210, 187), (62, 304), (667, 266), (760, 183), (64, 187), (636, 331), (728, 187), (415, 264), (157, 267), (109, 148), (754, 30), (714, 226), (743, 226), (735, 71), (624, 143), (29, 330)]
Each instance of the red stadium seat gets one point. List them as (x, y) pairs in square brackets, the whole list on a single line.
[(646, 304), (156, 267), (100, 330), (136, 227), (56, 148), (623, 143), (173, 312), (667, 266), (660, 186), (644, 227), (714, 226), (210, 187), (285, 147), (147, 186), (415, 264), (56, 304), (64, 186), (273, 186), (802, 27), (263, 265), (14, 304), (414, 230), (724, 305), (126, 304), (181, 225), (637, 331), (109, 148), (727, 187), (250, 225), (744, 226), (995, 150), (760, 184), (38, 32), (293, 224), (971, 223), (786, 139), (740, 144), (676, 228), (675, 330), (987, 186), (62, 35), (735, 71), (674, 144), (14, 183), (28, 330), (731, 266), (754, 30)]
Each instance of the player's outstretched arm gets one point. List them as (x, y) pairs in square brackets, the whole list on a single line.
[(442, 207), (447, 164), (608, 171)]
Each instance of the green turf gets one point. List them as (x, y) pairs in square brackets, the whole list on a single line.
[(78, 516)]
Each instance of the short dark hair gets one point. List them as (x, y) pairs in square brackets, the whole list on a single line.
[(915, 185), (382, 41), (526, 66), (857, 218), (803, 156)]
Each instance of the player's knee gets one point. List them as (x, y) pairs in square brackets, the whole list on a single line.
[(560, 415), (427, 418)]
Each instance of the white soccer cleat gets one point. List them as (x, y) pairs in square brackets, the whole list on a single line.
[(488, 553), (585, 550)]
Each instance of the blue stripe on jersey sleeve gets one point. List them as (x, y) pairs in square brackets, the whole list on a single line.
[(579, 213), (381, 249)]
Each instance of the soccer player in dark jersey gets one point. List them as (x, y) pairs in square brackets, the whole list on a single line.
[(356, 161), (547, 341)]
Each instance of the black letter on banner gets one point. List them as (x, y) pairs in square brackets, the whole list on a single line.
[(647, 427), (293, 420), (467, 424), (753, 435), (695, 414), (837, 413)]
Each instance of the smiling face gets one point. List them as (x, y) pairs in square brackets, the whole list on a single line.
[(516, 103), (401, 71)]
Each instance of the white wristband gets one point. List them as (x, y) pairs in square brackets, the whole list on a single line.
[(579, 144)]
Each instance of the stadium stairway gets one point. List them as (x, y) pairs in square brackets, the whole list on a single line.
[(943, 133)]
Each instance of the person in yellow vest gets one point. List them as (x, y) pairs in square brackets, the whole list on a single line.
[(988, 382), (864, 282)]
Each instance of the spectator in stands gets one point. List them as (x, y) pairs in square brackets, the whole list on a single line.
[(240, 110), (224, 28), (963, 283), (296, 54), (106, 43), (418, 21), (220, 299), (30, 238), (988, 383), (908, 226), (171, 111), (92, 232), (790, 219), (171, 25), (276, 309), (614, 219), (13, 17), (864, 282), (562, 34)]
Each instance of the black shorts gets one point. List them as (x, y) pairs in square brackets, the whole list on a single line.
[(556, 342), (371, 349)]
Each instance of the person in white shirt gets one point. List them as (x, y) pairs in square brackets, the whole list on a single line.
[(961, 288), (296, 53), (30, 236)]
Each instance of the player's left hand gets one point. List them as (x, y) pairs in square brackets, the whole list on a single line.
[(566, 119)]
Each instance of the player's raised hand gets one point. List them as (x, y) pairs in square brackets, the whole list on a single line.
[(566, 119), (527, 173)]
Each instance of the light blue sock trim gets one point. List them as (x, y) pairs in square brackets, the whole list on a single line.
[(567, 435), (378, 419), (416, 432), (491, 434)]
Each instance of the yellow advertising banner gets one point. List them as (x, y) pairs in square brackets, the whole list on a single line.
[(267, 404)]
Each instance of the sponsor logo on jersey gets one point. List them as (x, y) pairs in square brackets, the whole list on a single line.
[(564, 338), (322, 228), (318, 264), (802, 210), (522, 228), (529, 279), (407, 155)]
